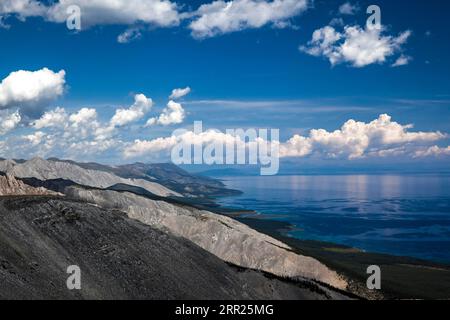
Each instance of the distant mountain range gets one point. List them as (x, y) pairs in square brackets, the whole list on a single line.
[(134, 203), (166, 174)]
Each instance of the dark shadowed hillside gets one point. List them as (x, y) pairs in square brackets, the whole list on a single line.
[(120, 258)]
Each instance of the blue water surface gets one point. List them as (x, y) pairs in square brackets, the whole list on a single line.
[(405, 215)]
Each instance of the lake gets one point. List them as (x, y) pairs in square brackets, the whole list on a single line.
[(405, 215)]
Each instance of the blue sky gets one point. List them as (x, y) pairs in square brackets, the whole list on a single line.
[(249, 76)]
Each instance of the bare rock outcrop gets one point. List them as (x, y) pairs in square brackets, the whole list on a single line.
[(46, 170), (10, 186)]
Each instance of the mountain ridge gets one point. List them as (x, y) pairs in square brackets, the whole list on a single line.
[(9, 185), (45, 170), (167, 174), (220, 235)]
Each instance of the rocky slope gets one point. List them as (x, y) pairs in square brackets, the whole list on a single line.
[(119, 258), (166, 174), (45, 170), (222, 236), (9, 185)]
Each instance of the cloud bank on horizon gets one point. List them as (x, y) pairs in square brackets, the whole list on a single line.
[(81, 133), (381, 137)]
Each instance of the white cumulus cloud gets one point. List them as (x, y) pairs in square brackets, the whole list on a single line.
[(84, 115), (433, 151), (140, 107), (163, 145), (82, 124), (221, 17), (179, 93), (358, 139), (133, 13), (208, 20), (357, 46), (172, 114), (381, 137), (129, 35), (122, 12), (82, 128), (53, 118), (9, 121), (22, 8), (348, 9), (31, 88), (402, 61), (35, 138), (142, 147)]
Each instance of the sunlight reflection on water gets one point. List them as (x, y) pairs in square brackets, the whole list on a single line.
[(403, 215)]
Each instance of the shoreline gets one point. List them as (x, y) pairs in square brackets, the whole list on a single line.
[(402, 277)]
